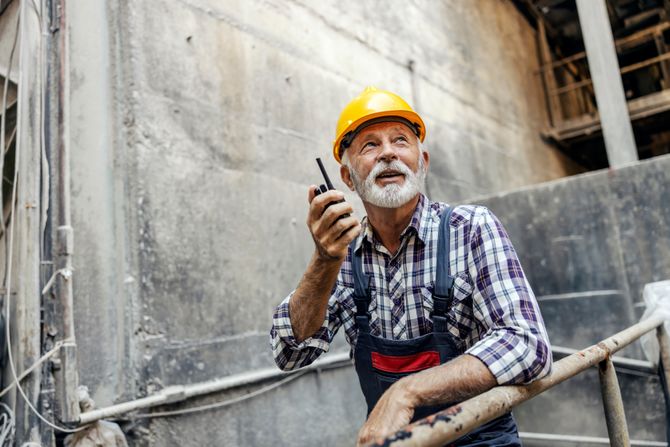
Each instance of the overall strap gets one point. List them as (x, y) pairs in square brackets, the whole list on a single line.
[(443, 293), (362, 293)]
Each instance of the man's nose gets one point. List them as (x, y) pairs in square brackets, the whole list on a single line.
[(388, 152)]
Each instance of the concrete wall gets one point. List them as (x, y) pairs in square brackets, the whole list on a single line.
[(588, 245), (194, 125)]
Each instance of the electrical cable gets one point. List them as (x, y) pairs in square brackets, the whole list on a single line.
[(8, 275), (7, 426), (221, 404), (41, 360)]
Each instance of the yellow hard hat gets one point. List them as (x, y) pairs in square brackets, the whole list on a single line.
[(371, 107)]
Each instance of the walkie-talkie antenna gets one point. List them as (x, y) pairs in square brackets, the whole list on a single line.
[(325, 175)]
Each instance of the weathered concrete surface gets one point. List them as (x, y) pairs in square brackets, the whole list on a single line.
[(643, 406), (103, 288), (588, 245), (194, 126), (281, 417)]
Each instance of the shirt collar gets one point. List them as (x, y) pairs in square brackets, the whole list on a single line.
[(418, 224)]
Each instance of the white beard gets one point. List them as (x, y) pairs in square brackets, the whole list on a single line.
[(392, 195)]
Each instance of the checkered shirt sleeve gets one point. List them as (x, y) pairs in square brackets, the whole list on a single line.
[(515, 345), (287, 352)]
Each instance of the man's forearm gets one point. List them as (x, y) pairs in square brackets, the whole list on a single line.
[(464, 377), (455, 381), (309, 302)]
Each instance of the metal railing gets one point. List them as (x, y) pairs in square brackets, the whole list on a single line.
[(457, 421)]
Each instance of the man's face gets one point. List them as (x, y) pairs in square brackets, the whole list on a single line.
[(385, 165)]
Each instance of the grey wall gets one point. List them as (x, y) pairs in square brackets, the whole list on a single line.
[(589, 244), (194, 125)]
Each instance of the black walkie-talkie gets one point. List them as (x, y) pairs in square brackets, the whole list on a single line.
[(328, 186)]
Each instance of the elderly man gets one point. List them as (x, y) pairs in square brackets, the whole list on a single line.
[(432, 299)]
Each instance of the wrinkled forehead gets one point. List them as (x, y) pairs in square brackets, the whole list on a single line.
[(380, 130)]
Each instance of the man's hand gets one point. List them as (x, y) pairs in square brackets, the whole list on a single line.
[(393, 411), (454, 381), (331, 232)]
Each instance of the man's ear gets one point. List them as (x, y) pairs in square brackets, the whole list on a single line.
[(426, 158), (345, 175)]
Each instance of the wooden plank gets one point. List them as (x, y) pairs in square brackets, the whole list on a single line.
[(643, 36), (624, 70), (26, 222), (665, 65), (638, 108), (555, 113)]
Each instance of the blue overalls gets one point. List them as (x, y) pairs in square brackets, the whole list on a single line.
[(381, 362)]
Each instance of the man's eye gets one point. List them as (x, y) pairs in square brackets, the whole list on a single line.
[(369, 144), (402, 139)]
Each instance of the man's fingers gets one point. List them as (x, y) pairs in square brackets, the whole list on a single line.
[(332, 226), (330, 216), (349, 228), (365, 436), (311, 194), (329, 224), (319, 203), (334, 212), (341, 233), (334, 241)]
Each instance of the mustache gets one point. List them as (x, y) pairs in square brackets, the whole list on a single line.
[(395, 165)]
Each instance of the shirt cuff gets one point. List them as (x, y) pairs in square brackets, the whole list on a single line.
[(510, 359), (284, 330)]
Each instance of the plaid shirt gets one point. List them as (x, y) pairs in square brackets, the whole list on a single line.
[(494, 316)]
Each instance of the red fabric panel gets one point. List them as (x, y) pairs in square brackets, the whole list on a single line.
[(405, 363)]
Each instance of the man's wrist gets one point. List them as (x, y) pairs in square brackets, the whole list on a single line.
[(406, 392), (322, 261)]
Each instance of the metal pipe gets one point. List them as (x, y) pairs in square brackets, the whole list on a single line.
[(644, 366), (664, 348), (330, 361), (179, 393), (65, 369), (454, 422), (585, 439), (615, 417)]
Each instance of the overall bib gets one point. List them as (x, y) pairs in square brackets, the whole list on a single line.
[(381, 362)]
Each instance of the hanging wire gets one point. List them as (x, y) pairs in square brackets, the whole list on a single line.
[(25, 373), (7, 426), (10, 244)]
